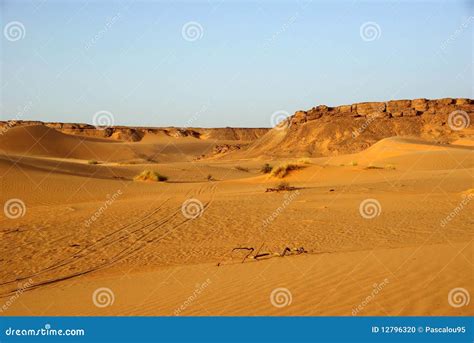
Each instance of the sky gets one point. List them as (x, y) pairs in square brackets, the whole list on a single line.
[(226, 63)]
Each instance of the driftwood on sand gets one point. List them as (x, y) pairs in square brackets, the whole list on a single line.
[(258, 254)]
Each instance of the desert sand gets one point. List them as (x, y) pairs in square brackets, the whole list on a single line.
[(377, 223)]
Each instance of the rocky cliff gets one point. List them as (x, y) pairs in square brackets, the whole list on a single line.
[(326, 131), (135, 134)]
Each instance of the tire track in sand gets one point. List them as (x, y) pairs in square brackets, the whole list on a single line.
[(130, 250)]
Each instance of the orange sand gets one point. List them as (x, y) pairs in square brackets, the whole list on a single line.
[(154, 260)]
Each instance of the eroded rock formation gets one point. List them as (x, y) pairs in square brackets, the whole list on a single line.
[(326, 131)]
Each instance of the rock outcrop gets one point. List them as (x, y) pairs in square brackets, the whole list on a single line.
[(326, 131), (389, 109), (136, 134)]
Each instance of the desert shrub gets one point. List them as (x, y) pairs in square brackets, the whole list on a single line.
[(92, 162), (390, 166), (266, 168), (242, 169), (282, 170), (210, 177), (149, 175), (371, 166), (282, 186), (354, 163)]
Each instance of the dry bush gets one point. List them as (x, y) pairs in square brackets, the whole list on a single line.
[(266, 168), (92, 162), (371, 166), (283, 186), (242, 169), (282, 170), (149, 175)]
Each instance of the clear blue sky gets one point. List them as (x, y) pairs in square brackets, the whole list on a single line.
[(252, 59)]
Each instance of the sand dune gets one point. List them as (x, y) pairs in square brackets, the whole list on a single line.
[(377, 282), (85, 227), (43, 141), (39, 140), (411, 154)]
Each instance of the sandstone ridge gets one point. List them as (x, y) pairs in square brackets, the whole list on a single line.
[(328, 131), (136, 134)]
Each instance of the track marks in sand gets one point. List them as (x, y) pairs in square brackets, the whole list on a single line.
[(116, 246)]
